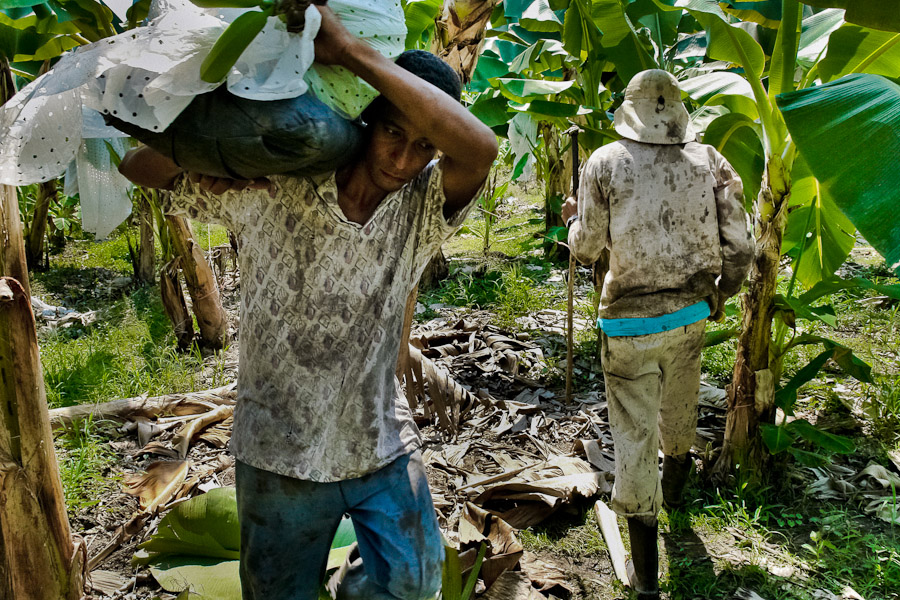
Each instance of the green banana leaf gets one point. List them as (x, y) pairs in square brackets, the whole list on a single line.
[(848, 131), (491, 110), (520, 90), (817, 236), (227, 3), (704, 87), (580, 33), (663, 25), (855, 49), (609, 15), (877, 14), (815, 34), (538, 16), (737, 137), (727, 42), (94, 20), (205, 526), (197, 546), (231, 44), (420, 15), (765, 12)]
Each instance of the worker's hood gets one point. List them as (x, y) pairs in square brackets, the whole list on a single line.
[(653, 112)]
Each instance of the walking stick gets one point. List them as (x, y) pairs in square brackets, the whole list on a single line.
[(573, 132)]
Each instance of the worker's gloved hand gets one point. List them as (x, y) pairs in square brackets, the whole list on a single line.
[(719, 314), (569, 209)]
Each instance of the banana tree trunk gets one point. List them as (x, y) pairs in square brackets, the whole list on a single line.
[(34, 238), (751, 395), (201, 284), (41, 561), (12, 250), (555, 177), (146, 254), (173, 303)]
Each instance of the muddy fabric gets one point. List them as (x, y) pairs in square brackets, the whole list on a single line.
[(287, 526), (652, 386), (673, 220), (322, 302)]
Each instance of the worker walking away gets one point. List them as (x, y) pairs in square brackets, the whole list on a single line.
[(671, 212)]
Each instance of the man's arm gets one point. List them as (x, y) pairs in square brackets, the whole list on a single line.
[(589, 234), (469, 147), (146, 167)]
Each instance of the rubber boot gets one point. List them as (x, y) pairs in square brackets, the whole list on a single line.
[(674, 476), (643, 568)]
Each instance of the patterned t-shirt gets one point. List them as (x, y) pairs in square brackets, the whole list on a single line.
[(322, 302)]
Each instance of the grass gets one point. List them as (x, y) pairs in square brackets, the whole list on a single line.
[(566, 535), (85, 459), (129, 353)]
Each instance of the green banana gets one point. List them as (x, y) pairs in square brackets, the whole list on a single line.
[(231, 44)]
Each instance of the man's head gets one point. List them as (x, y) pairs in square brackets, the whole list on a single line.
[(397, 151), (653, 112)]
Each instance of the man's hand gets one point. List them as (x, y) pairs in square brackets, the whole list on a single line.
[(220, 185), (333, 40), (719, 315), (569, 209)]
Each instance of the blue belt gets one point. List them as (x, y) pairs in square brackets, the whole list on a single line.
[(647, 325)]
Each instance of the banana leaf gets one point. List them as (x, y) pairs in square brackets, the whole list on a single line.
[(420, 16), (855, 49), (877, 14), (815, 35), (197, 546), (737, 137), (848, 132), (817, 236)]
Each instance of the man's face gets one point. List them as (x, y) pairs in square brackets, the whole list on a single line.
[(397, 151)]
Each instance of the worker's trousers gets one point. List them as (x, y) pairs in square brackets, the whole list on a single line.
[(652, 387), (287, 526)]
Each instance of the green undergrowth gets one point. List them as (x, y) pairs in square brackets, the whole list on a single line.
[(129, 352), (84, 252), (779, 544), (85, 459)]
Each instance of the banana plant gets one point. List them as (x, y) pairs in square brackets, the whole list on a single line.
[(540, 72)]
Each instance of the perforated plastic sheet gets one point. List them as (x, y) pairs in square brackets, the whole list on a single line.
[(103, 192)]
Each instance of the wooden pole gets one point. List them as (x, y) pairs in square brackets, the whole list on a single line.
[(570, 335)]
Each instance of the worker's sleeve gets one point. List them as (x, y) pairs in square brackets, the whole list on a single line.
[(589, 235), (735, 233)]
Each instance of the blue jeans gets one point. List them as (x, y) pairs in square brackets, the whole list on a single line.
[(287, 526)]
